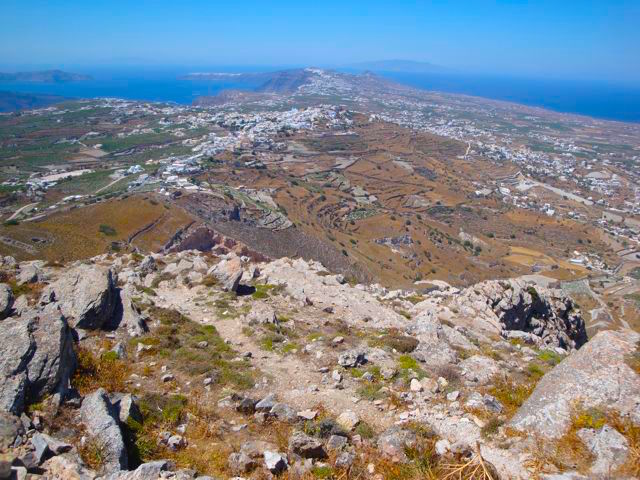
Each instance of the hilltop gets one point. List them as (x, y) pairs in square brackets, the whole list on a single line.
[(224, 363)]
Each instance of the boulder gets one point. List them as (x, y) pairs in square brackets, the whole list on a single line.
[(101, 421), (36, 358), (596, 376), (306, 446), (228, 273), (86, 295), (6, 300)]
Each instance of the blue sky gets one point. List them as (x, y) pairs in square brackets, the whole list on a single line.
[(549, 38)]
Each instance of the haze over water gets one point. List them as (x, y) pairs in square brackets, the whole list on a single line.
[(595, 99)]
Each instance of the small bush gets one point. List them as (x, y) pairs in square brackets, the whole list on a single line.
[(401, 343), (511, 394), (107, 230), (107, 372), (550, 357), (93, 453)]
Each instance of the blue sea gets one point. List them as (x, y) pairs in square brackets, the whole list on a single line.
[(595, 99)]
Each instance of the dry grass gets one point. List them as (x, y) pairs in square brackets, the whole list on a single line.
[(106, 371), (93, 453), (511, 394)]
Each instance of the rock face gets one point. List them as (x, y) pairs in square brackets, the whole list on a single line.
[(86, 295), (594, 376), (515, 308), (101, 420), (6, 300), (38, 360)]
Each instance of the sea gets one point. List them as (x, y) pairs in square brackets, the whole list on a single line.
[(595, 99)]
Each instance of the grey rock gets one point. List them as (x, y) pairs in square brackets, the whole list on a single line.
[(609, 447), (176, 442), (596, 376), (306, 446), (275, 462), (10, 429), (352, 358), (479, 369), (120, 350), (240, 463), (284, 412), (126, 405), (344, 460), (394, 441), (86, 295), (486, 401), (255, 448), (36, 358), (30, 273), (6, 300), (266, 404), (147, 265), (101, 421), (262, 314), (336, 442), (547, 316), (228, 272), (47, 446), (128, 316), (146, 471)]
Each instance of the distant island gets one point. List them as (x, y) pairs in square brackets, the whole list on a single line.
[(13, 101), (44, 76), (400, 66)]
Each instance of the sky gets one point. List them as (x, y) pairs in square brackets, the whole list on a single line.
[(546, 38)]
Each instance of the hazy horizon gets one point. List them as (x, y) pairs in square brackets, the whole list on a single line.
[(544, 39)]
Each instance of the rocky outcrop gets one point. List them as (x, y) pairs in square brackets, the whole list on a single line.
[(515, 308), (86, 295), (101, 421), (594, 376), (36, 358), (310, 283)]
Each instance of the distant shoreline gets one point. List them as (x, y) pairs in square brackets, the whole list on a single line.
[(597, 101)]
